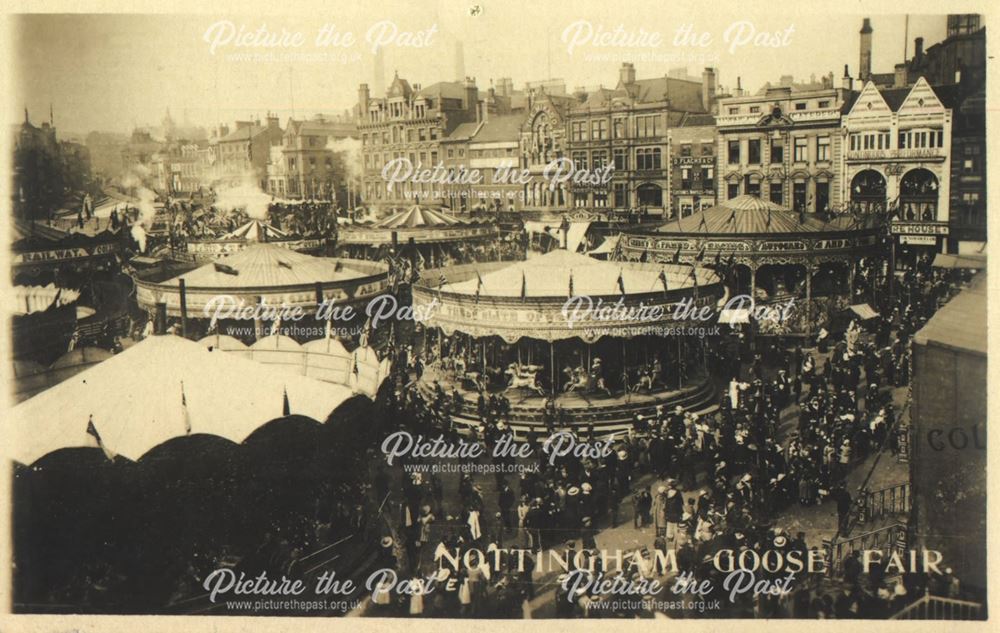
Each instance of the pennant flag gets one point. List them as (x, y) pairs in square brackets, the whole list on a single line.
[(663, 280), (442, 280), (92, 431), (479, 285), (184, 411), (694, 275), (644, 257), (701, 254), (524, 286), (621, 282), (677, 256), (732, 218), (703, 224), (768, 218), (718, 257), (570, 282), (286, 407)]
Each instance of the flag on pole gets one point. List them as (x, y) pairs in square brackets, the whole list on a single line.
[(286, 407), (363, 340), (571, 282), (677, 256), (718, 257), (644, 257), (442, 280), (703, 224), (524, 286), (92, 431), (479, 285), (621, 282), (184, 411), (663, 280), (732, 217), (701, 254), (329, 329)]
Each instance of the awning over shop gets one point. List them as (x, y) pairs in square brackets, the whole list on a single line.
[(974, 261)]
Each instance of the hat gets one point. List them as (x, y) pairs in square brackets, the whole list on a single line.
[(386, 541), (678, 409), (573, 491), (587, 487)]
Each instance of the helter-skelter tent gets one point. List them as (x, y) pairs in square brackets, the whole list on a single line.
[(162, 388)]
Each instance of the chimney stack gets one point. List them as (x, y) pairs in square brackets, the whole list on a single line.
[(708, 86), (899, 76), (918, 48), (363, 97), (846, 82), (626, 74), (865, 66), (471, 95)]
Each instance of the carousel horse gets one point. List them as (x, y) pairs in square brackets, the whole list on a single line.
[(523, 377), (579, 381)]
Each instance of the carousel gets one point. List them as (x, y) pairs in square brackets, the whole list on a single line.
[(569, 340), (251, 232), (263, 280), (770, 253), (433, 233)]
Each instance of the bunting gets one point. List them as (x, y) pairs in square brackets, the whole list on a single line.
[(184, 411), (92, 431)]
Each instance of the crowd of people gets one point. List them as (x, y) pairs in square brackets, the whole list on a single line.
[(786, 433)]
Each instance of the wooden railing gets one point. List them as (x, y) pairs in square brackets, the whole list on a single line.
[(891, 538), (938, 608), (890, 501)]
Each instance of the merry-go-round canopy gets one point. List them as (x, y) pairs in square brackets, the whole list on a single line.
[(255, 231), (161, 388), (421, 223), (274, 274), (751, 231), (559, 296)]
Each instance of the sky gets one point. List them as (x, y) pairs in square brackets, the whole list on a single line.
[(113, 72)]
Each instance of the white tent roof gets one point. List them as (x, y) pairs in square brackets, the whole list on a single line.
[(135, 400)]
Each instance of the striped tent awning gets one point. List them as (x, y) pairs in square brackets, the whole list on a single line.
[(255, 231), (419, 216)]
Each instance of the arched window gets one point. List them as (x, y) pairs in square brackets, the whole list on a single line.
[(918, 195), (868, 192)]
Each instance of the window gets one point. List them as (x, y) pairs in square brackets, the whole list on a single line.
[(451, 153), (686, 178), (621, 159), (801, 105), (619, 128), (409, 135), (707, 178), (777, 151), (732, 190), (824, 104), (621, 194), (579, 130), (599, 159), (599, 130), (434, 133), (799, 196), (707, 149), (753, 151), (751, 186), (647, 158), (422, 134), (600, 199), (754, 109), (579, 160), (734, 110), (734, 152), (801, 150), (822, 196), (777, 193), (645, 126), (822, 148), (686, 149)]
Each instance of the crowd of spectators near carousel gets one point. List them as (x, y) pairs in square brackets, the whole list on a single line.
[(704, 483)]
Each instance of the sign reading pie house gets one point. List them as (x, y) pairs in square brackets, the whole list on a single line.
[(903, 227)]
